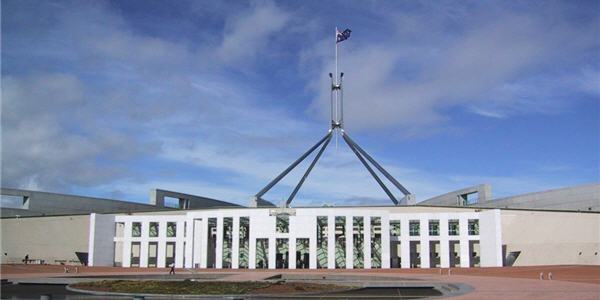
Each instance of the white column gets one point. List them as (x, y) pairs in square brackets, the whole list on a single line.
[(252, 244), (144, 245), (349, 242), (162, 245), (197, 242), (179, 241), (424, 239), (490, 238), (272, 253), (204, 242), (465, 258), (444, 242), (385, 241), (404, 242), (292, 253), (312, 245), (331, 242), (235, 245), (219, 250), (367, 242), (126, 261), (189, 243)]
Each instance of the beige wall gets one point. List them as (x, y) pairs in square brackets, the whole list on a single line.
[(552, 238), (48, 238)]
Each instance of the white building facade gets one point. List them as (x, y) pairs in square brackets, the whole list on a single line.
[(310, 238)]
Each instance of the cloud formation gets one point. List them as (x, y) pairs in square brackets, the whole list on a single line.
[(100, 99)]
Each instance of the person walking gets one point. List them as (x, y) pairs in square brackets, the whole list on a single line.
[(26, 260), (172, 271)]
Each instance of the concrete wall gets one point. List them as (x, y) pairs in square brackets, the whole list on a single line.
[(48, 204), (582, 198), (186, 201), (552, 238), (49, 238), (100, 245), (452, 198)]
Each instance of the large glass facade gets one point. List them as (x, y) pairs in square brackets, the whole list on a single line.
[(322, 233), (375, 242), (244, 252), (227, 242), (340, 242), (358, 238), (302, 254), (262, 253)]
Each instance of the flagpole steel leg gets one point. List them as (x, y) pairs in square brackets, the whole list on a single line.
[(314, 162), (292, 166), (381, 184), (379, 167)]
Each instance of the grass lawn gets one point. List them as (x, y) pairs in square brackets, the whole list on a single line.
[(205, 287)]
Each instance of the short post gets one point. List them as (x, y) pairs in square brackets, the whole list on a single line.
[(449, 271)]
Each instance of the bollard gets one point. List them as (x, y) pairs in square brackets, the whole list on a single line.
[(440, 271), (76, 269), (550, 276), (46, 297), (541, 275), (449, 271)]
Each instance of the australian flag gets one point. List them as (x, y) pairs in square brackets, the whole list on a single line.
[(344, 35)]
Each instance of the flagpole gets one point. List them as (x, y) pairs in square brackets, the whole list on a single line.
[(335, 98)]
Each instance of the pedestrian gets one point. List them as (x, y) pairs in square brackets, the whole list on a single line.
[(26, 260), (550, 276), (172, 271), (541, 275)]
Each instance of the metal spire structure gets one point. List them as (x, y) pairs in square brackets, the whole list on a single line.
[(337, 127)]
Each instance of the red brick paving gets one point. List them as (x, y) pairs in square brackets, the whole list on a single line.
[(574, 282)]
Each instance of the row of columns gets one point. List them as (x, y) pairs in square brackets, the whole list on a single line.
[(196, 243)]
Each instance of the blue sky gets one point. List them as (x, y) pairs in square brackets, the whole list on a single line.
[(215, 98)]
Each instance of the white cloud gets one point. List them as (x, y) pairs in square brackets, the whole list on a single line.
[(412, 78), (247, 34)]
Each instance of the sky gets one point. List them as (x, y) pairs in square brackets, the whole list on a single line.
[(215, 98)]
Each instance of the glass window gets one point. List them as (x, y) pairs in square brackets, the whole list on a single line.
[(136, 229), (153, 229), (171, 229), (283, 224), (414, 228), (394, 227), (244, 242), (434, 227), (340, 242), (473, 227), (453, 228), (322, 232)]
